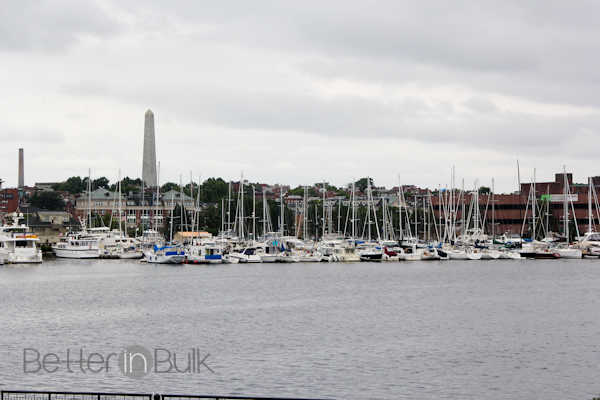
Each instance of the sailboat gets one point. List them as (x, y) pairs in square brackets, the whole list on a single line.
[(79, 244), (565, 249)]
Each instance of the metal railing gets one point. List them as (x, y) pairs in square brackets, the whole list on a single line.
[(33, 395)]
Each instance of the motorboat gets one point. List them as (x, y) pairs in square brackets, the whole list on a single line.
[(204, 252), (166, 255), (17, 244)]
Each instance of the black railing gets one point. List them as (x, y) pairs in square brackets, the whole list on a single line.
[(30, 395)]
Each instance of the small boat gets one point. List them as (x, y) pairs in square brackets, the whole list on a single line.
[(229, 260), (247, 255), (204, 252), (165, 255), (370, 254), (77, 245), (288, 256)]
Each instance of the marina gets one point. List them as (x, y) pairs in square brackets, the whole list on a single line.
[(299, 200), (459, 329)]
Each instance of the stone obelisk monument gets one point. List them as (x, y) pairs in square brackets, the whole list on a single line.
[(149, 167)]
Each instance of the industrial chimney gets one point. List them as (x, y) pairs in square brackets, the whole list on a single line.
[(21, 170)]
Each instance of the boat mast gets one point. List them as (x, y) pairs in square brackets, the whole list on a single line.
[(590, 204), (89, 189), (198, 203), (241, 197), (374, 214), (534, 206), (305, 212), (400, 234), (353, 209), (324, 216), (281, 230), (120, 219), (565, 206), (253, 213), (229, 209), (157, 200), (493, 213), (264, 215), (368, 222)]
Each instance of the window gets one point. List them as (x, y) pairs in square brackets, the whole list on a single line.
[(65, 219), (45, 219)]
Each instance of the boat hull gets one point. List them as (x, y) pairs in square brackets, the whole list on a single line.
[(77, 253)]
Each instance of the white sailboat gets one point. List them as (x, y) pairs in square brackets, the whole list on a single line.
[(79, 244)]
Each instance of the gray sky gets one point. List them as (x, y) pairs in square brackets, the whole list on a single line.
[(301, 91)]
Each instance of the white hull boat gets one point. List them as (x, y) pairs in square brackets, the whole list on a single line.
[(17, 245)]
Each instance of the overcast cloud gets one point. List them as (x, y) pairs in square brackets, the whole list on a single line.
[(298, 92)]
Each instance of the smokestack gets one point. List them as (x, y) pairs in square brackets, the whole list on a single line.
[(21, 169)]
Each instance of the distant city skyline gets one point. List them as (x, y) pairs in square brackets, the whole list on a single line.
[(301, 92)]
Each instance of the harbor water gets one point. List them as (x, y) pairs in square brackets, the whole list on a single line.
[(496, 329)]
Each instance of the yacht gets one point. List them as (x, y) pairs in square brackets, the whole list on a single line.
[(17, 245), (77, 245), (204, 252), (165, 255)]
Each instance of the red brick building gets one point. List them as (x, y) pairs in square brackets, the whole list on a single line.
[(9, 200)]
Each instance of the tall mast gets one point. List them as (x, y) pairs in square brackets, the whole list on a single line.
[(157, 199), (264, 215), (253, 213), (242, 206), (281, 230), (89, 188), (229, 208), (400, 234), (324, 216), (353, 209), (462, 216), (534, 205), (305, 213), (119, 197), (493, 212), (183, 216), (368, 209), (590, 204), (198, 200), (566, 205)]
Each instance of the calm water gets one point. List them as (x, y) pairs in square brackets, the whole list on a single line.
[(426, 330)]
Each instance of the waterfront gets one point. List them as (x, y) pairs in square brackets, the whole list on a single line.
[(425, 330)]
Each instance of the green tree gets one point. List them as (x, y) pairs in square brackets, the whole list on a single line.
[(299, 191), (73, 185), (128, 185), (485, 190), (213, 190), (361, 184), (49, 201), (169, 186), (102, 181)]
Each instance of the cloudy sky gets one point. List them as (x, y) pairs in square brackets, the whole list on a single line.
[(302, 91)]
